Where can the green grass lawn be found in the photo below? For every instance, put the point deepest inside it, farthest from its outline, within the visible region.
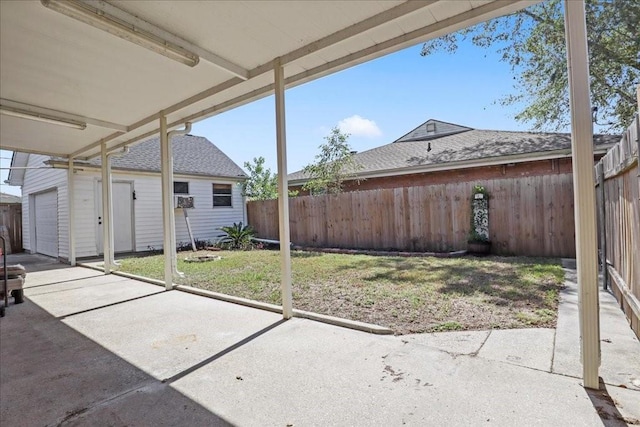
(406, 294)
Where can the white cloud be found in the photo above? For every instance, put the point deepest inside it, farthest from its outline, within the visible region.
(359, 126)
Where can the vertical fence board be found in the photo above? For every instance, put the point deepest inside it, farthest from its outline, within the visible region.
(620, 201)
(11, 217)
(527, 216)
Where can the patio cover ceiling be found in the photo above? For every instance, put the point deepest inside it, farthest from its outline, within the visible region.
(57, 66)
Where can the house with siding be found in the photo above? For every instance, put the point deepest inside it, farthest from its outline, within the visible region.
(438, 152)
(201, 171)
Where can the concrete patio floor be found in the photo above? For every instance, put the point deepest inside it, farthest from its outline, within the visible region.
(89, 349)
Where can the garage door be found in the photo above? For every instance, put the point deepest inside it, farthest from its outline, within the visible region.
(46, 223)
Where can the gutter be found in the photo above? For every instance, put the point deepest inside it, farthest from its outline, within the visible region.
(61, 164)
(11, 178)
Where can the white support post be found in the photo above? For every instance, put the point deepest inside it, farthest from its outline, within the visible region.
(166, 167)
(584, 190)
(283, 193)
(72, 214)
(107, 229)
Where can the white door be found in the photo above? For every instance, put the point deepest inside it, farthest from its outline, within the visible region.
(46, 223)
(123, 236)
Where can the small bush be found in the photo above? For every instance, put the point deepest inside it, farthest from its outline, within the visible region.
(186, 246)
(237, 236)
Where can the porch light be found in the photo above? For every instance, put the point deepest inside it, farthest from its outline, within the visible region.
(77, 9)
(38, 117)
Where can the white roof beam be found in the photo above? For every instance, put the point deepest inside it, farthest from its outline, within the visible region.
(61, 114)
(19, 149)
(446, 26)
(408, 39)
(149, 119)
(368, 24)
(470, 17)
(204, 54)
(96, 144)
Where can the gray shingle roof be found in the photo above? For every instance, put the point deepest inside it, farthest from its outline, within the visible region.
(432, 129)
(192, 155)
(462, 145)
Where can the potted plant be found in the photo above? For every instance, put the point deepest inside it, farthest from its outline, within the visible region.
(478, 242)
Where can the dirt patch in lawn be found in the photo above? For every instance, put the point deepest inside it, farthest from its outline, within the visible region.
(408, 295)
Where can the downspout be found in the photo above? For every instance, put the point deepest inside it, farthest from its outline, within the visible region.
(105, 219)
(112, 250)
(71, 214)
(172, 222)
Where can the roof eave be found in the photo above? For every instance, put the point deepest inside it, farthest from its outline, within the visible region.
(16, 176)
(517, 158)
(58, 164)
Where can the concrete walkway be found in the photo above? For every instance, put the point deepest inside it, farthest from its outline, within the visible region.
(89, 349)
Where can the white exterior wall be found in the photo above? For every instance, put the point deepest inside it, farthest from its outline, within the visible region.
(38, 181)
(86, 217)
(204, 218)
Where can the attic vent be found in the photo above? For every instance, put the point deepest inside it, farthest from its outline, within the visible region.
(353, 152)
(431, 128)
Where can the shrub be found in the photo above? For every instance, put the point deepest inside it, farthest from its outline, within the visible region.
(186, 246)
(238, 236)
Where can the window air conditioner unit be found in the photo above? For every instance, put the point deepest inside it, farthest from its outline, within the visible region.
(183, 202)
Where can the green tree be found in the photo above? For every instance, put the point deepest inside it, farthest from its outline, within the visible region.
(333, 166)
(532, 41)
(261, 184)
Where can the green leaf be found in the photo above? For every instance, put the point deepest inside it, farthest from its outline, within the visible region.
(532, 41)
(333, 166)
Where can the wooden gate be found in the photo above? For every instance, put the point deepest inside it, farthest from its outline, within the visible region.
(11, 218)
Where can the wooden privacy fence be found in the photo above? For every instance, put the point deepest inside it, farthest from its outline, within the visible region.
(618, 197)
(11, 221)
(527, 216)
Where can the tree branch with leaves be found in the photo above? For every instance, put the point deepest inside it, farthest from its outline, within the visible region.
(261, 184)
(333, 166)
(532, 41)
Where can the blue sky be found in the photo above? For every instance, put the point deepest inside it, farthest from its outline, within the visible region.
(397, 92)
(377, 102)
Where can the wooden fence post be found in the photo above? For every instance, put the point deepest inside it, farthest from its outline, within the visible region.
(638, 137)
(603, 225)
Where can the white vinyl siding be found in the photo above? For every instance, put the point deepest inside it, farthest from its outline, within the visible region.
(45, 217)
(38, 181)
(206, 220)
(86, 218)
(203, 218)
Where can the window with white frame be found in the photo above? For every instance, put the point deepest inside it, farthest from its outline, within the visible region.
(222, 195)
